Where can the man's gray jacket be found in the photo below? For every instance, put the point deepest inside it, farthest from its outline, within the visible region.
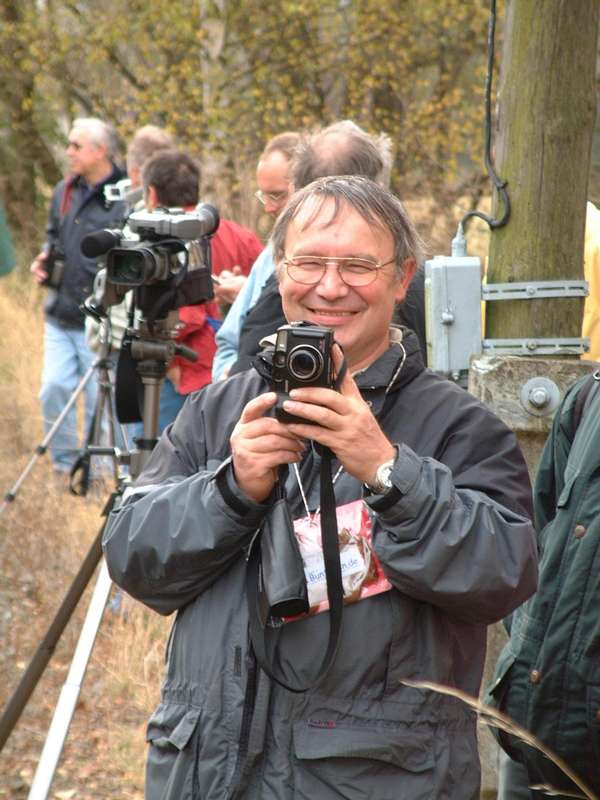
(456, 543)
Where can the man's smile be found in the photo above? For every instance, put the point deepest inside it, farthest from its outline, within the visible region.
(332, 312)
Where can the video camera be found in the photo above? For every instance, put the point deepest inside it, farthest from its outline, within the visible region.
(164, 255)
(163, 258)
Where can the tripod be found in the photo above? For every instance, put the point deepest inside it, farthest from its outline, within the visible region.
(152, 357)
(80, 473)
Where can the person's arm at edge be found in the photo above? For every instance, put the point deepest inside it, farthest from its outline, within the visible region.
(228, 335)
(38, 265)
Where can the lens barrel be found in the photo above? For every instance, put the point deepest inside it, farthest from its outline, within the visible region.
(305, 363)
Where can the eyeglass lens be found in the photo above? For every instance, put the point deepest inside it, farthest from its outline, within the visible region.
(357, 272)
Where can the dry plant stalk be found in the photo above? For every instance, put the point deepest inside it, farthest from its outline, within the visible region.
(496, 719)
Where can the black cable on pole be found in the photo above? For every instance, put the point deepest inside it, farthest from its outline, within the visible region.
(498, 182)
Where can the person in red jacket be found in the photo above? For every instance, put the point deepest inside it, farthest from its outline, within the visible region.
(171, 178)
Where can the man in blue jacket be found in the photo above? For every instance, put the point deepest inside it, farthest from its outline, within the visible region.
(78, 207)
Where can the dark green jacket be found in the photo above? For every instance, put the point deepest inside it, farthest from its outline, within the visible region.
(548, 675)
(7, 251)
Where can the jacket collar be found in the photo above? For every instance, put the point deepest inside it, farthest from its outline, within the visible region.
(385, 372)
(77, 181)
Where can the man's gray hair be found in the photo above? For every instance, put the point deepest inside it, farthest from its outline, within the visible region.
(145, 143)
(100, 133)
(342, 148)
(376, 205)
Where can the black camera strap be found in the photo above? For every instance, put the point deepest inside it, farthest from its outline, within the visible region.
(333, 574)
(335, 590)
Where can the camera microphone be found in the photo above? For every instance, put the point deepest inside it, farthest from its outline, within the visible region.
(100, 242)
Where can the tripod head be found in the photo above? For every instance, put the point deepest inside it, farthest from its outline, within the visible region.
(145, 352)
(149, 348)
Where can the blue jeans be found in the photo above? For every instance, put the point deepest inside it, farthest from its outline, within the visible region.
(66, 359)
(171, 403)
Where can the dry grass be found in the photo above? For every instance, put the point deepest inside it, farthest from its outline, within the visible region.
(44, 536)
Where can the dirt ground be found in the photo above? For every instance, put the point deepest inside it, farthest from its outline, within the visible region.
(44, 535)
(103, 754)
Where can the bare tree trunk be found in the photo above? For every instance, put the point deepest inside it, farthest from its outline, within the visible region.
(547, 106)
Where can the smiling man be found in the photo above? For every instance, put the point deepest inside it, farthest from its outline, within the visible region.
(436, 499)
(340, 271)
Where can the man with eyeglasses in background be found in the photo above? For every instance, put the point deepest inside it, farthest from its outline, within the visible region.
(342, 148)
(274, 190)
(434, 495)
(78, 206)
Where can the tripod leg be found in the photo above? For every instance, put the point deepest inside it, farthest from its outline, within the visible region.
(102, 423)
(43, 654)
(63, 713)
(109, 415)
(43, 446)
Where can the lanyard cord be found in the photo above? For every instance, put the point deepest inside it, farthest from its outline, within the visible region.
(310, 516)
(391, 382)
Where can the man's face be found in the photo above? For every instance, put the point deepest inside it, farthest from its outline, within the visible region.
(273, 181)
(359, 316)
(83, 154)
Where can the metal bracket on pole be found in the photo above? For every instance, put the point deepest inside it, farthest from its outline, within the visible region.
(537, 347)
(533, 290)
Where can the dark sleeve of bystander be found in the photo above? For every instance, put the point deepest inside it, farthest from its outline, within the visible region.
(411, 311)
(263, 319)
(7, 251)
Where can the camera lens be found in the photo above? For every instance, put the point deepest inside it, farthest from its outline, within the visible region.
(125, 266)
(305, 363)
(129, 268)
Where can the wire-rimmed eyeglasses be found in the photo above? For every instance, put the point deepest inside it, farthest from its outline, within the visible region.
(274, 197)
(353, 271)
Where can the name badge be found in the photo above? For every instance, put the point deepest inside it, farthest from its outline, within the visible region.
(362, 573)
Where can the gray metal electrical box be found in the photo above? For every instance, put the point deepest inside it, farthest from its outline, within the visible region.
(453, 314)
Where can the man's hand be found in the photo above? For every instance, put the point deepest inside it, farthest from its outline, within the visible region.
(230, 285)
(343, 422)
(38, 267)
(259, 445)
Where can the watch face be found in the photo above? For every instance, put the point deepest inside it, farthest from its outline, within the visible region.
(386, 477)
(383, 477)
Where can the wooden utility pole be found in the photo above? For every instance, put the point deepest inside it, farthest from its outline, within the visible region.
(546, 116)
(547, 104)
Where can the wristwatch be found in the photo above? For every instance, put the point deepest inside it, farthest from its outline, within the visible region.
(383, 478)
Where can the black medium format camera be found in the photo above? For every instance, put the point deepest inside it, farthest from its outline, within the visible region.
(302, 357)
